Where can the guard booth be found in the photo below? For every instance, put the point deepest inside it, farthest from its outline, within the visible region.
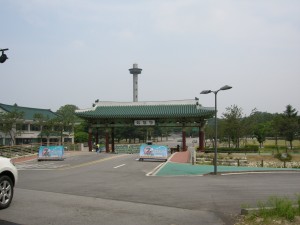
(179, 113)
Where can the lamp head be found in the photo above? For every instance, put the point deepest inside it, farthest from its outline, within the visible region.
(205, 92)
(3, 57)
(226, 87)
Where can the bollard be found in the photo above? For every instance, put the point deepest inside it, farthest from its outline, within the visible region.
(238, 162)
(262, 163)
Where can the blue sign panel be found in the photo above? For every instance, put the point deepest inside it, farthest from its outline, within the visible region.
(153, 152)
(51, 152)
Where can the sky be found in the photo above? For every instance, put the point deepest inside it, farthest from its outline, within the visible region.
(76, 51)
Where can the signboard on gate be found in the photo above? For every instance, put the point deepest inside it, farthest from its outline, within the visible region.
(153, 152)
(51, 152)
(144, 122)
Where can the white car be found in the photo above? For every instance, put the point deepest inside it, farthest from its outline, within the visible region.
(8, 180)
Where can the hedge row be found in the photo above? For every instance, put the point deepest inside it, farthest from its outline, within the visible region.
(246, 149)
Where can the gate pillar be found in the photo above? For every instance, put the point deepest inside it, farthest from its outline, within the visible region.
(184, 148)
(107, 140)
(90, 142)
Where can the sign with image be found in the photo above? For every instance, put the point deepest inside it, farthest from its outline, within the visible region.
(51, 152)
(153, 152)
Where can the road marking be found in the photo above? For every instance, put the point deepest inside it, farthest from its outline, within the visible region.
(119, 166)
(154, 171)
(93, 162)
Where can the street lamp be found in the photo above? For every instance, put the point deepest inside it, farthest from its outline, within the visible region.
(3, 57)
(226, 87)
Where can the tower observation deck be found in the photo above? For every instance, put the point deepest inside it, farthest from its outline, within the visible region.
(135, 71)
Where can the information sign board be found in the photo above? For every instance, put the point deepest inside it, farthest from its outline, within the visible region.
(51, 152)
(153, 152)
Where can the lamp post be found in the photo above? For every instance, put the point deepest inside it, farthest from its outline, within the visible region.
(226, 87)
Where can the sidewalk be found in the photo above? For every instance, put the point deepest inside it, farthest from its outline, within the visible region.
(178, 165)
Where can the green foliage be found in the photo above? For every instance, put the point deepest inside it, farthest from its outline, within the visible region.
(8, 120)
(81, 137)
(81, 126)
(280, 207)
(260, 131)
(233, 122)
(45, 123)
(289, 125)
(246, 149)
(234, 126)
(298, 201)
(66, 117)
(275, 147)
(275, 209)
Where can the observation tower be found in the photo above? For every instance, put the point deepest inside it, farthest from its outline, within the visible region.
(135, 71)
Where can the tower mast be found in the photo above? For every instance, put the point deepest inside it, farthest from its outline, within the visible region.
(135, 71)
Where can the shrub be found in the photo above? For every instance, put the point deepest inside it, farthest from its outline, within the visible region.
(283, 207)
(81, 137)
(277, 207)
(246, 149)
(284, 157)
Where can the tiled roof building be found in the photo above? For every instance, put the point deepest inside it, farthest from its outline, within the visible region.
(178, 113)
(28, 130)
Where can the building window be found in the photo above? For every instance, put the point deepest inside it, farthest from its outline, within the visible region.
(53, 141)
(35, 127)
(7, 141)
(20, 141)
(68, 140)
(23, 127)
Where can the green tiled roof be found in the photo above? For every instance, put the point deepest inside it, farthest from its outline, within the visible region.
(143, 110)
(28, 112)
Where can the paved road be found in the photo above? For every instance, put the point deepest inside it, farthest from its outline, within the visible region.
(113, 189)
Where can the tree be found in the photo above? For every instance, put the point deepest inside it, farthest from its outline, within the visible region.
(39, 120)
(258, 125)
(233, 126)
(260, 132)
(210, 131)
(81, 137)
(289, 124)
(66, 119)
(8, 123)
(275, 127)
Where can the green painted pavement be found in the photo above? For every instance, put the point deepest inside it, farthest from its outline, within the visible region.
(180, 169)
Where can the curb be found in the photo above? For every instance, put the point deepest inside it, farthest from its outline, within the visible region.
(247, 211)
(23, 158)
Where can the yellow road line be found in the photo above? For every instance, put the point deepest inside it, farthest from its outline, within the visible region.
(91, 163)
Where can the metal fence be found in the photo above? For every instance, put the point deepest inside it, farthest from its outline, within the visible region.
(127, 149)
(23, 150)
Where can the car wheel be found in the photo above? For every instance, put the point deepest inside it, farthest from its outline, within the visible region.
(6, 191)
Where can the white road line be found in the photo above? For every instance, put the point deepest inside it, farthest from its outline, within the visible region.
(119, 166)
(154, 171)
